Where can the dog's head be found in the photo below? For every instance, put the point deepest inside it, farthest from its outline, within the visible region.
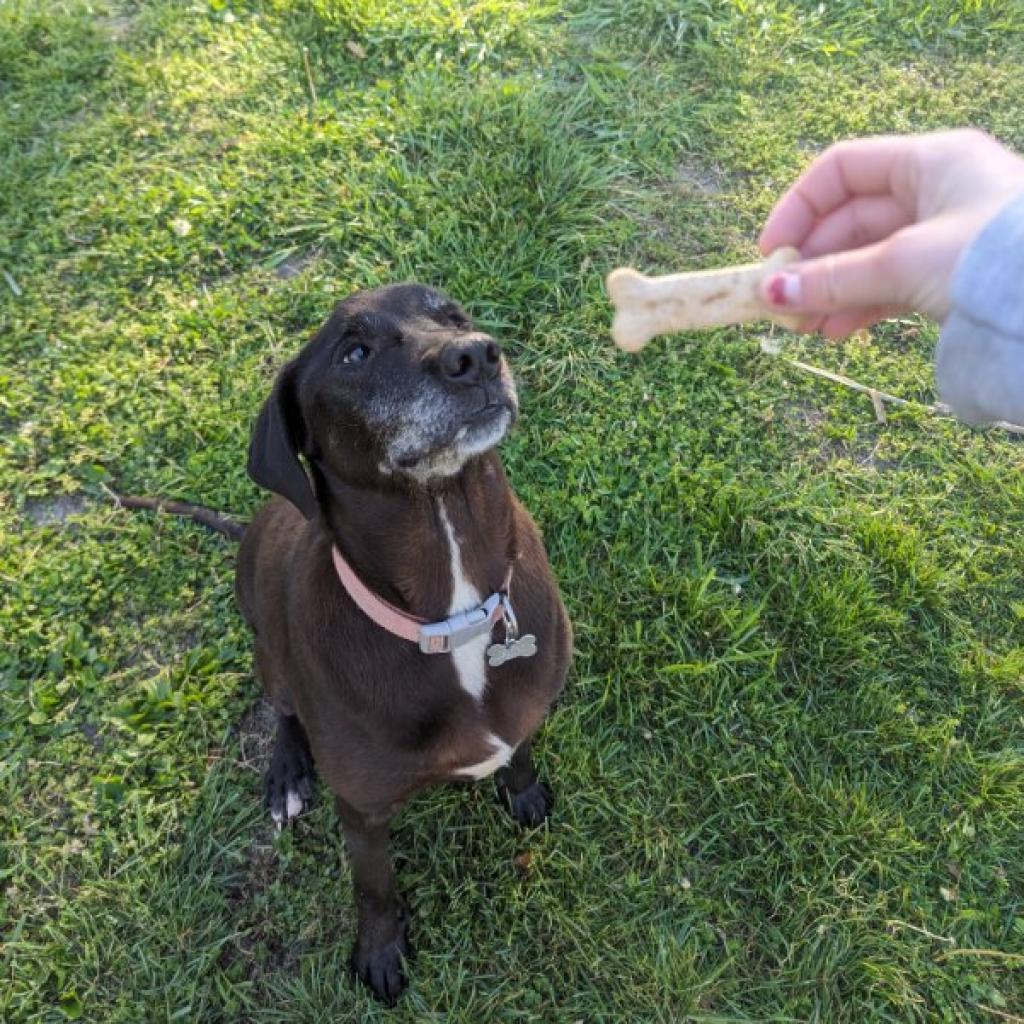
(397, 382)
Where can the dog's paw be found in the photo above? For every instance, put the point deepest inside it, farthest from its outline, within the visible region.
(530, 806)
(382, 967)
(287, 789)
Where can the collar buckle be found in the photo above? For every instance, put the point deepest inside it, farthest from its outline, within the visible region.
(448, 634)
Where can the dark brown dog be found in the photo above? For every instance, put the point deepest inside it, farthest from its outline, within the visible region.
(395, 405)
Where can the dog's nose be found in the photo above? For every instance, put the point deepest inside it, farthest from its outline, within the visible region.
(470, 362)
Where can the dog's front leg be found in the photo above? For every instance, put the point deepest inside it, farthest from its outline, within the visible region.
(381, 944)
(528, 800)
(289, 781)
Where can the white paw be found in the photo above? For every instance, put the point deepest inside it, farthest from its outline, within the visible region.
(284, 811)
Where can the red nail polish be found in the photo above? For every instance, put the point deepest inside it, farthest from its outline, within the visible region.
(783, 289)
(776, 289)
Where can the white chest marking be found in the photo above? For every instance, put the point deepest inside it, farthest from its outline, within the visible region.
(500, 758)
(469, 659)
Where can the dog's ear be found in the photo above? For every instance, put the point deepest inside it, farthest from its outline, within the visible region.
(277, 439)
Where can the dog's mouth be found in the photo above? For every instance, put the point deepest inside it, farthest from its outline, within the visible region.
(483, 428)
(488, 411)
(485, 412)
(445, 453)
(480, 431)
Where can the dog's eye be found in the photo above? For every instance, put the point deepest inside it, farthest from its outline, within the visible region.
(357, 353)
(456, 316)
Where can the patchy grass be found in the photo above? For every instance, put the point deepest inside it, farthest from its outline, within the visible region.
(790, 762)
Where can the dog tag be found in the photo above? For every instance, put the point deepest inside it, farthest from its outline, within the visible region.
(522, 647)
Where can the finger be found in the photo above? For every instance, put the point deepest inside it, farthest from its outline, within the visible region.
(809, 324)
(859, 167)
(855, 280)
(859, 222)
(842, 325)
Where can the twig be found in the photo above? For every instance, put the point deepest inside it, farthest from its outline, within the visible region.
(1010, 428)
(309, 79)
(205, 516)
(893, 923)
(11, 283)
(873, 393)
(1011, 958)
(876, 401)
(1012, 1017)
(879, 397)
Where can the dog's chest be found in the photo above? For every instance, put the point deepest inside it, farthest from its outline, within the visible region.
(503, 707)
(470, 658)
(469, 661)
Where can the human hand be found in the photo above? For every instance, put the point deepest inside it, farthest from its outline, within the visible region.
(880, 224)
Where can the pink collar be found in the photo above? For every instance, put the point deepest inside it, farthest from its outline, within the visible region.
(432, 637)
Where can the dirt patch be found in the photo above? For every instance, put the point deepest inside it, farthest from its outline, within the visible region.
(93, 735)
(695, 177)
(863, 453)
(54, 511)
(294, 265)
(804, 417)
(256, 733)
(261, 870)
(117, 28)
(257, 945)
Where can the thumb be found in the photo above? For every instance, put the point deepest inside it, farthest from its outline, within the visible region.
(837, 283)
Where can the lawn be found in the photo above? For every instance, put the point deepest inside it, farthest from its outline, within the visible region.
(789, 763)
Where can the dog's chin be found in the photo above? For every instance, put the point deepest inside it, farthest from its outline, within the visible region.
(474, 437)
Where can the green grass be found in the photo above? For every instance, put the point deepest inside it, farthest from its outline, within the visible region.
(790, 760)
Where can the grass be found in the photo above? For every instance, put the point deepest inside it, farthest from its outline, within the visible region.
(790, 761)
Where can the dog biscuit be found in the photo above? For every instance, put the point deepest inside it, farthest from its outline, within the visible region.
(648, 306)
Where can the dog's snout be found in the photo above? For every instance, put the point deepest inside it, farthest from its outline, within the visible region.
(470, 362)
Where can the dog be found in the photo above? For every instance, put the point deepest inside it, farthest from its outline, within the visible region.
(408, 628)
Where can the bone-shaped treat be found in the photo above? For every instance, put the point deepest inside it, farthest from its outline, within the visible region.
(646, 306)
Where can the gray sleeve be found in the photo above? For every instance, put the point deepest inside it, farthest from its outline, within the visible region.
(979, 362)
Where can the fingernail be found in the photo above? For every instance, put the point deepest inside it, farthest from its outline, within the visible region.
(783, 289)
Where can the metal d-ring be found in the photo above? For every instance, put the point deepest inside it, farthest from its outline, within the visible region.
(511, 622)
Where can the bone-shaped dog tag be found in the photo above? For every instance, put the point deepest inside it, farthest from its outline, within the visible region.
(523, 647)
